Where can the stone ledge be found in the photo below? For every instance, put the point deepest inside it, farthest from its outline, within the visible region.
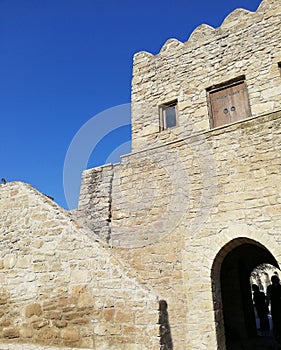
(211, 132)
(8, 346)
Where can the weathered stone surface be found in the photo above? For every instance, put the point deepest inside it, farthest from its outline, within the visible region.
(33, 309)
(61, 282)
(10, 332)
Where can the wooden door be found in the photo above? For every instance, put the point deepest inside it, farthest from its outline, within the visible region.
(229, 104)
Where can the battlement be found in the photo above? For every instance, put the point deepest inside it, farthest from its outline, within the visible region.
(245, 47)
(236, 20)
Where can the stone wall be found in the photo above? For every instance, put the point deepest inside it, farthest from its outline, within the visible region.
(59, 287)
(175, 207)
(228, 188)
(94, 210)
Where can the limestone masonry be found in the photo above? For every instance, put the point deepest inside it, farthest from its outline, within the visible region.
(159, 253)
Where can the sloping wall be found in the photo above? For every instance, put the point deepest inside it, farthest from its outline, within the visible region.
(60, 287)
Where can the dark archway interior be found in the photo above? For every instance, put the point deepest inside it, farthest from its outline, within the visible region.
(238, 312)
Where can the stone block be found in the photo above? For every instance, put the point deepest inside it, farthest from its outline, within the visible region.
(33, 309)
(10, 332)
(70, 334)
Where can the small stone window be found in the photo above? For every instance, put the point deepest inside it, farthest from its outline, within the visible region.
(228, 102)
(168, 115)
(279, 66)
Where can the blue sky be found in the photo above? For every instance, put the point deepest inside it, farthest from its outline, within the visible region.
(65, 61)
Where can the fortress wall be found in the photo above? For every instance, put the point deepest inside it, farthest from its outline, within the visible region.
(186, 192)
(219, 171)
(246, 44)
(60, 288)
(169, 226)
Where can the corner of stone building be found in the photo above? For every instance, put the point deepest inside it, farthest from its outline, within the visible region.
(94, 205)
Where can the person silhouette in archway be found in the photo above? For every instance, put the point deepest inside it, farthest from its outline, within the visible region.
(261, 307)
(273, 294)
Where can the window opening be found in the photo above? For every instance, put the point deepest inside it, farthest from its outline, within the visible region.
(168, 115)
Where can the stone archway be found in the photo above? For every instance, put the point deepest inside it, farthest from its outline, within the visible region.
(234, 314)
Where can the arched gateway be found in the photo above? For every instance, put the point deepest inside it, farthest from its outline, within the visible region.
(234, 313)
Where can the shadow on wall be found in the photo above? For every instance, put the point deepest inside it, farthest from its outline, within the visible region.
(166, 342)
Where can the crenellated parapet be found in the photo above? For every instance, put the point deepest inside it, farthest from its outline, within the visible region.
(234, 21)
